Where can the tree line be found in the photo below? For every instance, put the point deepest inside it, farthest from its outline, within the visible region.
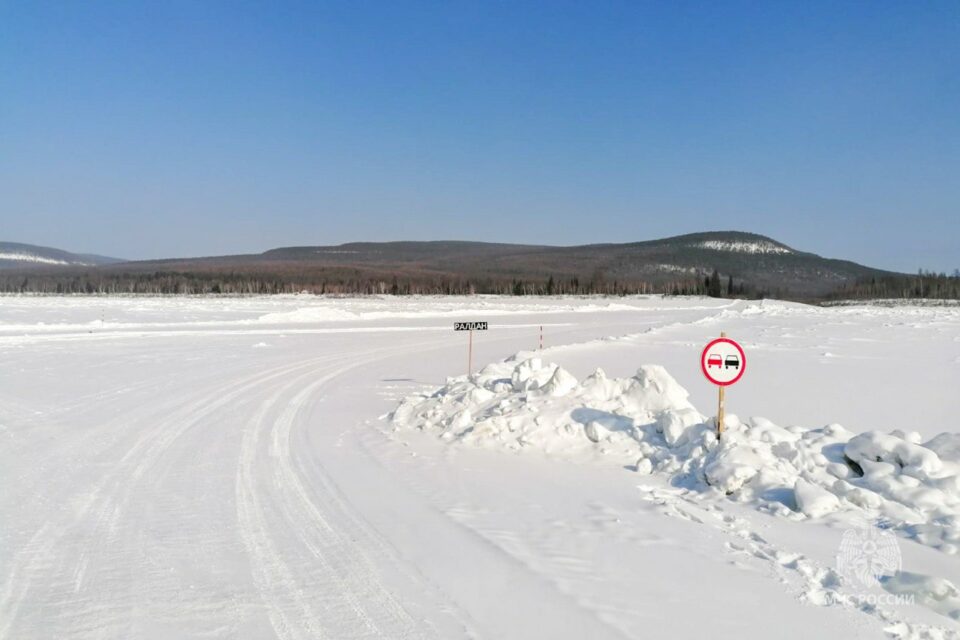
(925, 285)
(106, 282)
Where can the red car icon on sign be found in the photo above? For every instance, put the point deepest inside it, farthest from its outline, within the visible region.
(714, 360)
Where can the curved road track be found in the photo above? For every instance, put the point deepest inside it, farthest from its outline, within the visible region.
(174, 536)
(166, 485)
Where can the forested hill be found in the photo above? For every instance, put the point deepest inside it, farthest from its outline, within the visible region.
(717, 263)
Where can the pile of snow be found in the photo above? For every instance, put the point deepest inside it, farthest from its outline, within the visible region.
(760, 246)
(648, 422)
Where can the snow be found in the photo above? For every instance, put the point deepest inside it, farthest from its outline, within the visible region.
(525, 402)
(761, 246)
(30, 257)
(813, 500)
(672, 268)
(938, 594)
(226, 468)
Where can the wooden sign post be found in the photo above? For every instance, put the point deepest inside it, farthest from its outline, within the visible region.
(470, 326)
(723, 363)
(720, 398)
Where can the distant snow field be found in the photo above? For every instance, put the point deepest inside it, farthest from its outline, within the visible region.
(32, 258)
(318, 467)
(743, 246)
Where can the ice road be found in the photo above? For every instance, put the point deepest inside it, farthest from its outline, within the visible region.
(227, 468)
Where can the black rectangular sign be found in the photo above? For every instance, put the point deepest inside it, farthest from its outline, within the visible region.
(469, 326)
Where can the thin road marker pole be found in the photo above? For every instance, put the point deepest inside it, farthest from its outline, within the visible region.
(541, 337)
(470, 355)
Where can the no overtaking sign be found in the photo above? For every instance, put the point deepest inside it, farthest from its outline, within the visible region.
(723, 362)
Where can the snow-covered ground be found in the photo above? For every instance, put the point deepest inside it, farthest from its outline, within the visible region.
(301, 467)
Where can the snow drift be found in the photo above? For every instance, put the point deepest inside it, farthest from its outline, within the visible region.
(647, 421)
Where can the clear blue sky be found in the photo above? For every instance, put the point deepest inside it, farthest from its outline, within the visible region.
(195, 128)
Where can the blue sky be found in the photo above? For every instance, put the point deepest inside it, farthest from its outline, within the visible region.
(196, 128)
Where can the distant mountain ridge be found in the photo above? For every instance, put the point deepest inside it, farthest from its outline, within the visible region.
(758, 264)
(762, 261)
(16, 254)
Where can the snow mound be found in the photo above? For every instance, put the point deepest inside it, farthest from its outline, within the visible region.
(646, 422)
(525, 402)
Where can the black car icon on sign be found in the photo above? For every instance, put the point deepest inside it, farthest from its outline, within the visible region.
(731, 361)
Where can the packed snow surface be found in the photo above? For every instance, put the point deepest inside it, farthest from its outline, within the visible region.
(192, 467)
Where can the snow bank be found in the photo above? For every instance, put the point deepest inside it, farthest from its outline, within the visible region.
(647, 422)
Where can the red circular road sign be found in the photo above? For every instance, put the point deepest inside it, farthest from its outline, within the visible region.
(723, 362)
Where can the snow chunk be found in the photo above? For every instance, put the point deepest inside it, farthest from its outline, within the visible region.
(732, 468)
(814, 501)
(560, 383)
(531, 374)
(652, 389)
(874, 446)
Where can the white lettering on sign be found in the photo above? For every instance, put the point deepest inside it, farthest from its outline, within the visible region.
(470, 326)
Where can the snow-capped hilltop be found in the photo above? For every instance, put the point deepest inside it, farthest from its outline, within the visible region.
(7, 256)
(759, 246)
(16, 254)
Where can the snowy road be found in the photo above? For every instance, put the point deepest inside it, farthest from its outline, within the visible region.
(199, 468)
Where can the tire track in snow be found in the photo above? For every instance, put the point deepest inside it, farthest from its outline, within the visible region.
(43, 554)
(349, 600)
